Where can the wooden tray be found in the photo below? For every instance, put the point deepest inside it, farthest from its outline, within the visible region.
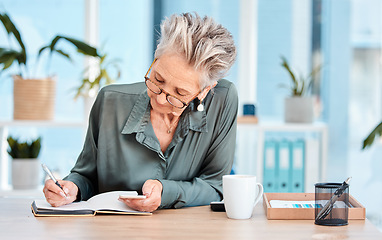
(356, 212)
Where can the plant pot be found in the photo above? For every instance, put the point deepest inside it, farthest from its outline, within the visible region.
(299, 110)
(26, 173)
(33, 99)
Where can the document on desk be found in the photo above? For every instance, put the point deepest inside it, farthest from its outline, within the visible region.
(303, 204)
(106, 203)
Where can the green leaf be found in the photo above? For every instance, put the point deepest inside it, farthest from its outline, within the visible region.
(103, 77)
(301, 85)
(19, 56)
(19, 149)
(97, 80)
(35, 148)
(41, 50)
(62, 53)
(370, 139)
(12, 149)
(5, 54)
(11, 29)
(102, 58)
(8, 63)
(82, 47)
(8, 56)
(109, 80)
(285, 64)
(81, 88)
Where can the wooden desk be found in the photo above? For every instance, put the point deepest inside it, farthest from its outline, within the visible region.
(17, 222)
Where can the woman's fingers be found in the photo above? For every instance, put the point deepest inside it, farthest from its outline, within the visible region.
(56, 196)
(152, 189)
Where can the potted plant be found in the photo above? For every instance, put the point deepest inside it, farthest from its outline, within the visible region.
(299, 106)
(90, 85)
(25, 163)
(102, 77)
(34, 98)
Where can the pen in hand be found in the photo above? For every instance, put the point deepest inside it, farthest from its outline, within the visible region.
(46, 169)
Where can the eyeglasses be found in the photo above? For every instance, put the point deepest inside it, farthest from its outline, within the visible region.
(174, 101)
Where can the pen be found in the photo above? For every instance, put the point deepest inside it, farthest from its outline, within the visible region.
(46, 169)
(329, 205)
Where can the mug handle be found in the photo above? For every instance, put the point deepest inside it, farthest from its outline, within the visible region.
(261, 190)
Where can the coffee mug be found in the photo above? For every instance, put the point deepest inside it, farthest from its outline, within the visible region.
(241, 193)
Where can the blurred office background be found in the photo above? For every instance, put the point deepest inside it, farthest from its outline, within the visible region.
(345, 36)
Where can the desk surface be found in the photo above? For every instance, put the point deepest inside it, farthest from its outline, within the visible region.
(18, 222)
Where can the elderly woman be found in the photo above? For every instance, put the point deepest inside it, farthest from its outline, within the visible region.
(171, 138)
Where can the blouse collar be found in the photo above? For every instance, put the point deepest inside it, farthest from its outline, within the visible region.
(140, 115)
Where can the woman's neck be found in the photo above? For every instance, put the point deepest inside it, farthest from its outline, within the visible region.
(170, 121)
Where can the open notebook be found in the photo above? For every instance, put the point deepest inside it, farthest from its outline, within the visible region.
(101, 203)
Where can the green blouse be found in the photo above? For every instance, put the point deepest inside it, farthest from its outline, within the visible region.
(121, 150)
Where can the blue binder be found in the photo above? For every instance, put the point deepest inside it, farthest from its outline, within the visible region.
(298, 166)
(284, 169)
(270, 163)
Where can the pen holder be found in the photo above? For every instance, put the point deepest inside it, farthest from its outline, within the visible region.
(338, 213)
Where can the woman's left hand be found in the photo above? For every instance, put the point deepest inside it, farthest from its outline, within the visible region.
(152, 189)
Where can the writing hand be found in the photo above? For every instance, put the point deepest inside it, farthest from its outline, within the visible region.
(56, 196)
(152, 189)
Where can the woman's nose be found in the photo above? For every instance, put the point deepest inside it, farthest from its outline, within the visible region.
(162, 98)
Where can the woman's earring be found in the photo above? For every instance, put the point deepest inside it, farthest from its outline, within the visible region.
(200, 107)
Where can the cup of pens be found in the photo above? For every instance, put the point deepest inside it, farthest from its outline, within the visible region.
(332, 202)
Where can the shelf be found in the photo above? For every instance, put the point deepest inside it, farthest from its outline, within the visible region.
(279, 125)
(247, 120)
(252, 135)
(293, 127)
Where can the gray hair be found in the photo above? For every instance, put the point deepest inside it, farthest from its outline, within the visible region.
(206, 45)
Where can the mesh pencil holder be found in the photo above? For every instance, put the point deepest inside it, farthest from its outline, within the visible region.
(337, 213)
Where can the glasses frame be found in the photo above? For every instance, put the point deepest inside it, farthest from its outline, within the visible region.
(165, 92)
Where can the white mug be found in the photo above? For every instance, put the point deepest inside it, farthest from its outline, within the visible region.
(241, 193)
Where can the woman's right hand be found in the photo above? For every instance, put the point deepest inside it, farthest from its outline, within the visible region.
(56, 196)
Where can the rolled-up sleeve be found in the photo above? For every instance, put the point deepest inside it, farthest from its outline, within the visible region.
(84, 173)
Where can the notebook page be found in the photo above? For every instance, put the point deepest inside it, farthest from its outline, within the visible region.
(43, 204)
(109, 201)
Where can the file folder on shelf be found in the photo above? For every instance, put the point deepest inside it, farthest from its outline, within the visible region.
(284, 169)
(270, 163)
(312, 164)
(297, 176)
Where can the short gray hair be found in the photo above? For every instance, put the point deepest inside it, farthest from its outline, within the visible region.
(206, 45)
